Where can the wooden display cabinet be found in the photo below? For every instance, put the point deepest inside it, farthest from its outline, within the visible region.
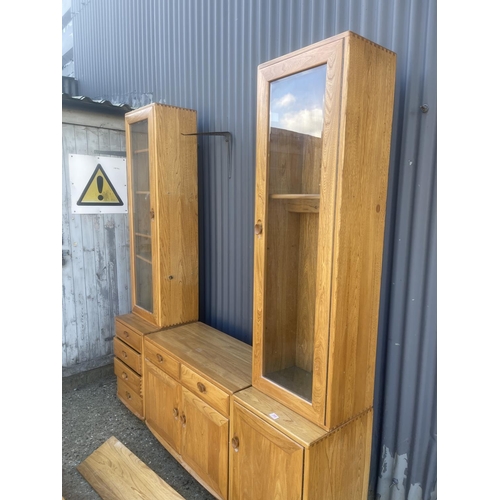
(163, 207)
(163, 220)
(324, 119)
(190, 372)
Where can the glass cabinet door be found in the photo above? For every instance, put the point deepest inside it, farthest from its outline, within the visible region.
(141, 216)
(295, 140)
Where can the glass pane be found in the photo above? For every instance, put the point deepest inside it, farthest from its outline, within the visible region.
(295, 148)
(141, 215)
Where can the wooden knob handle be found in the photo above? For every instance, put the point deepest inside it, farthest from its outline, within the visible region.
(129, 396)
(183, 419)
(124, 376)
(124, 354)
(258, 228)
(175, 413)
(160, 358)
(126, 333)
(152, 213)
(201, 387)
(235, 443)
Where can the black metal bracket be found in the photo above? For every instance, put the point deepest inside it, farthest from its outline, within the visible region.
(229, 141)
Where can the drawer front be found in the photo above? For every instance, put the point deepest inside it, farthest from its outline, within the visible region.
(162, 360)
(128, 355)
(130, 398)
(129, 336)
(127, 375)
(205, 390)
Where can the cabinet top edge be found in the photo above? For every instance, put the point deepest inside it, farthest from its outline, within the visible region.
(225, 360)
(157, 105)
(136, 323)
(346, 35)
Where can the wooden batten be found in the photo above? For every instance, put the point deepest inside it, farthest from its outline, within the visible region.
(117, 474)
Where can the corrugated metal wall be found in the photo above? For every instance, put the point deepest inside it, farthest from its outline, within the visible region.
(204, 55)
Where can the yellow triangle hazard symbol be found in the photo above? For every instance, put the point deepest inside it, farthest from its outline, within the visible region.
(99, 190)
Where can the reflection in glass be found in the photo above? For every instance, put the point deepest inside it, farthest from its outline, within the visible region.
(141, 215)
(295, 149)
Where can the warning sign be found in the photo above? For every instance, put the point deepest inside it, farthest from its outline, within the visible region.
(98, 184)
(99, 190)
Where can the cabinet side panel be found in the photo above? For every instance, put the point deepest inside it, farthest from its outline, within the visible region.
(177, 173)
(366, 122)
(338, 466)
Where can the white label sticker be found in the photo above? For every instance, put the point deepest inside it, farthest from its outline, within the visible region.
(273, 416)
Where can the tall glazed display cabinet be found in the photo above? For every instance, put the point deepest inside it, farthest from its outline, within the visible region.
(163, 208)
(324, 118)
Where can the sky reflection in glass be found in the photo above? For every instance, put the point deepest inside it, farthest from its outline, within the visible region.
(297, 102)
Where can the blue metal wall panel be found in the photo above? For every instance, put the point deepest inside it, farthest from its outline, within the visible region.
(204, 55)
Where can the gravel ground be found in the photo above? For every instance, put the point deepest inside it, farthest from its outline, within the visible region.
(91, 414)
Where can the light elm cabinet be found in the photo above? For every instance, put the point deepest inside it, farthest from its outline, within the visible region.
(163, 205)
(324, 118)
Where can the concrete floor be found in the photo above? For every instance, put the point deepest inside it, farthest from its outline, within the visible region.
(91, 413)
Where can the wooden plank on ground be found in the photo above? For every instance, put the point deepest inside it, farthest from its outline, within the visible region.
(117, 474)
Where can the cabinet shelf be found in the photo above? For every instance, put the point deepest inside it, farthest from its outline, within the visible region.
(143, 235)
(299, 203)
(144, 259)
(145, 150)
(142, 192)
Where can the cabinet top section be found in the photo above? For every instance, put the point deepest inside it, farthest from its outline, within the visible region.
(224, 359)
(346, 35)
(157, 105)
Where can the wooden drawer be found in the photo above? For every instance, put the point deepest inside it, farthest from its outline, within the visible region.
(131, 399)
(129, 336)
(127, 375)
(162, 360)
(128, 355)
(206, 390)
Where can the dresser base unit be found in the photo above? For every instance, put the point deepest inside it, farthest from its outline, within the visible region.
(190, 373)
(276, 453)
(128, 343)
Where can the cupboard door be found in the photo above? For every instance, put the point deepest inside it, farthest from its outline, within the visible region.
(162, 398)
(265, 463)
(205, 435)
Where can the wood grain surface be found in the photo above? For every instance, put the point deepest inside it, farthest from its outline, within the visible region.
(117, 474)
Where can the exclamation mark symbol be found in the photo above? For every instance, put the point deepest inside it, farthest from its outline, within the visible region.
(100, 183)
